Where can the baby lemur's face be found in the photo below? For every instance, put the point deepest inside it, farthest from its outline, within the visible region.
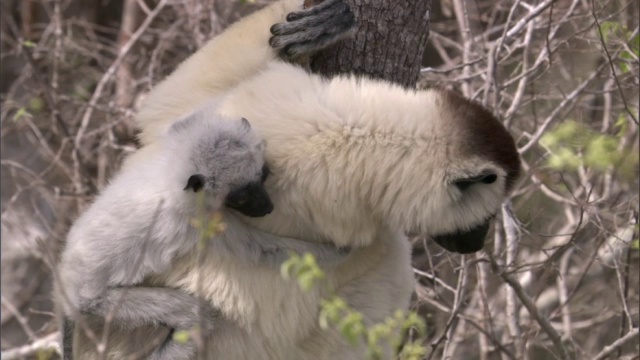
(251, 199)
(229, 163)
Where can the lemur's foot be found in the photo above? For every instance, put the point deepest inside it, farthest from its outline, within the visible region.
(312, 29)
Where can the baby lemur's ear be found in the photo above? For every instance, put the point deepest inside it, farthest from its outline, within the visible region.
(246, 126)
(195, 183)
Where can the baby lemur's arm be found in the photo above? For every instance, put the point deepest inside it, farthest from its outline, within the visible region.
(246, 243)
(136, 306)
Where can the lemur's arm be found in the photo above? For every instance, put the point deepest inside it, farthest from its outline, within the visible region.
(240, 52)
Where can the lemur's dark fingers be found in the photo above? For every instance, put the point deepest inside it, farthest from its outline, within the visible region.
(297, 49)
(316, 40)
(313, 10)
(317, 33)
(319, 19)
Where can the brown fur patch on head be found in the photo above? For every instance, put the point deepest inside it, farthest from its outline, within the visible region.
(482, 134)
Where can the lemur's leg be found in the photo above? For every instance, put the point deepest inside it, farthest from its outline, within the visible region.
(131, 307)
(312, 29)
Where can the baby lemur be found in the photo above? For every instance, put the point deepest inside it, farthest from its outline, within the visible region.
(142, 221)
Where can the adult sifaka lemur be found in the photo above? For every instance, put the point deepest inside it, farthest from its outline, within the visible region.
(355, 162)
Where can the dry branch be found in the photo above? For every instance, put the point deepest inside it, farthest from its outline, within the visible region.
(45, 344)
(608, 350)
(531, 308)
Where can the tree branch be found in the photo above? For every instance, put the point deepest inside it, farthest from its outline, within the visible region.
(47, 343)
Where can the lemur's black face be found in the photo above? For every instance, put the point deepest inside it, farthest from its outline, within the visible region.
(250, 200)
(464, 242)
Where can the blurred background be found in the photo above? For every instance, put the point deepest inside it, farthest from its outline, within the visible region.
(560, 270)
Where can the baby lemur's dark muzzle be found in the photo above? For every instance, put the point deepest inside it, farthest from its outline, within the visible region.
(251, 200)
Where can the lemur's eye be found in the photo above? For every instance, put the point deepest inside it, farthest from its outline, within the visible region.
(265, 173)
(195, 183)
(484, 178)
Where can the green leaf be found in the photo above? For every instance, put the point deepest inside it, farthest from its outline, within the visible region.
(622, 125)
(288, 265)
(413, 320)
(352, 327)
(36, 104)
(413, 351)
(601, 152)
(607, 28)
(22, 112)
(331, 311)
(181, 336)
(624, 68)
(635, 45)
(306, 280)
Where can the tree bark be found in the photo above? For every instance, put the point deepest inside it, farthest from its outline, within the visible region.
(388, 44)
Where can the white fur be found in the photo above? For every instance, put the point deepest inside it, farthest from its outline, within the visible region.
(354, 161)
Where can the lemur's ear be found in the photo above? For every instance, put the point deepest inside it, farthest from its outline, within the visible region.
(195, 183)
(246, 126)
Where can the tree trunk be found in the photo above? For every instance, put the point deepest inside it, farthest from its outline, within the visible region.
(388, 44)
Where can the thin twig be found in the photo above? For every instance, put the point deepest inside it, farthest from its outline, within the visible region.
(24, 323)
(571, 98)
(111, 71)
(462, 17)
(608, 350)
(610, 62)
(511, 251)
(47, 343)
(531, 308)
